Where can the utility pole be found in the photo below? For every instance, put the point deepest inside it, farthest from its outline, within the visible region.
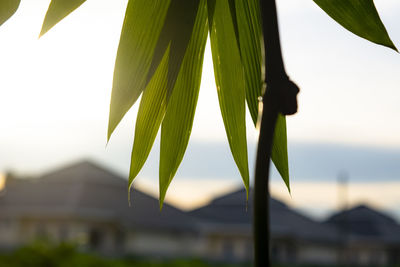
(343, 184)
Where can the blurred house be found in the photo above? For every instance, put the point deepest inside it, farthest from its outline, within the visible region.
(226, 227)
(370, 237)
(86, 204)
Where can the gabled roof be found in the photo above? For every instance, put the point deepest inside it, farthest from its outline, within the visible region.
(365, 223)
(87, 191)
(285, 222)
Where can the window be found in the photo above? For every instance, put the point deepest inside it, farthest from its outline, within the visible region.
(95, 238)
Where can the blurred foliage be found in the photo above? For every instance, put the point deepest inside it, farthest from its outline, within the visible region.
(43, 254)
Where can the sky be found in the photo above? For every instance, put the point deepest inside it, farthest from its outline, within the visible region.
(55, 93)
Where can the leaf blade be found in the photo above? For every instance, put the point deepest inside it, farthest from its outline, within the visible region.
(178, 121)
(7, 9)
(249, 36)
(140, 32)
(359, 17)
(181, 14)
(279, 152)
(150, 114)
(229, 78)
(58, 9)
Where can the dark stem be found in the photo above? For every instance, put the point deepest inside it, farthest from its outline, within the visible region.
(272, 47)
(279, 97)
(261, 186)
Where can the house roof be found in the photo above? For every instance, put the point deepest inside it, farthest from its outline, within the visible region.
(285, 222)
(87, 191)
(365, 223)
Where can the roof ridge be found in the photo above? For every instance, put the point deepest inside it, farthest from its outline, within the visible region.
(363, 206)
(79, 163)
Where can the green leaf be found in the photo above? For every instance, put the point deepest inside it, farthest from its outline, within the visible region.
(181, 47)
(232, 7)
(181, 15)
(230, 82)
(151, 112)
(178, 121)
(249, 36)
(279, 154)
(360, 17)
(7, 9)
(58, 9)
(141, 29)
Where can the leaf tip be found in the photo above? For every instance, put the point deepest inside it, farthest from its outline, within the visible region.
(161, 203)
(109, 131)
(163, 192)
(112, 124)
(132, 176)
(390, 44)
(129, 194)
(288, 187)
(108, 138)
(42, 31)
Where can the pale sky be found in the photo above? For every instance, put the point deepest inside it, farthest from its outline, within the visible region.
(55, 92)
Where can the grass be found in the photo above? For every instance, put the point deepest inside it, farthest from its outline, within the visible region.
(66, 255)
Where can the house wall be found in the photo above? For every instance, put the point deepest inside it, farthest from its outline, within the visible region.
(216, 245)
(102, 237)
(88, 235)
(284, 250)
(160, 243)
(8, 233)
(233, 247)
(317, 254)
(365, 254)
(227, 247)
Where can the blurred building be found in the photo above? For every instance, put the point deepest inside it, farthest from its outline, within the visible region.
(370, 237)
(226, 225)
(88, 205)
